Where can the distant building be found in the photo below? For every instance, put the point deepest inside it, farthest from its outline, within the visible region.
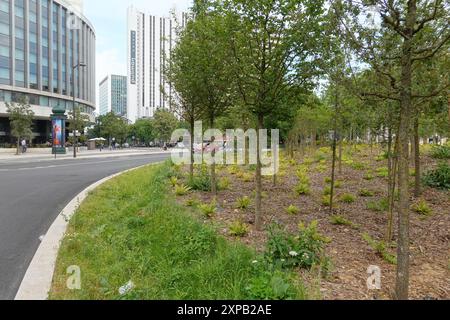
(113, 95)
(150, 41)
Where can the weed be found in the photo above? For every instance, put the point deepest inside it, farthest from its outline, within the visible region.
(366, 193)
(380, 248)
(208, 209)
(182, 190)
(339, 220)
(422, 208)
(243, 203)
(292, 210)
(347, 198)
(239, 229)
(302, 189)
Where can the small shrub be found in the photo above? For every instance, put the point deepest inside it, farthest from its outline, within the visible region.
(234, 169)
(327, 180)
(358, 166)
(378, 206)
(438, 178)
(239, 229)
(380, 248)
(304, 250)
(173, 181)
(382, 172)
(347, 198)
(208, 209)
(441, 152)
(302, 189)
(422, 208)
(369, 177)
(247, 177)
(327, 191)
(326, 201)
(192, 202)
(322, 168)
(292, 210)
(201, 181)
(182, 190)
(366, 193)
(224, 184)
(339, 220)
(243, 203)
(338, 184)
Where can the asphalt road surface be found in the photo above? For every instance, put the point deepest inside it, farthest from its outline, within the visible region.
(32, 194)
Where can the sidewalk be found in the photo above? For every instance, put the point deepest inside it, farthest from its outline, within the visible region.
(45, 155)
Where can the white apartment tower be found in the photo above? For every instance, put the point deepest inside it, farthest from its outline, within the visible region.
(150, 41)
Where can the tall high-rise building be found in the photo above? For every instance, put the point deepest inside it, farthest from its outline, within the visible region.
(150, 41)
(40, 43)
(113, 95)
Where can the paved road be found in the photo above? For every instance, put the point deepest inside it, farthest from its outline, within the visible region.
(32, 194)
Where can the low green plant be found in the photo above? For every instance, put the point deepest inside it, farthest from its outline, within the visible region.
(438, 178)
(224, 184)
(243, 203)
(366, 193)
(380, 248)
(382, 172)
(304, 250)
(327, 180)
(441, 152)
(327, 191)
(347, 198)
(326, 201)
(201, 181)
(233, 169)
(378, 206)
(369, 176)
(358, 166)
(173, 181)
(422, 208)
(302, 189)
(193, 202)
(339, 220)
(271, 285)
(182, 190)
(247, 177)
(208, 209)
(239, 229)
(293, 210)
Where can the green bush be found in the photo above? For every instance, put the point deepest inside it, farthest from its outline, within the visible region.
(439, 178)
(380, 248)
(292, 210)
(181, 190)
(243, 203)
(422, 208)
(378, 206)
(304, 250)
(339, 220)
(347, 198)
(208, 209)
(302, 189)
(201, 181)
(441, 152)
(366, 193)
(239, 229)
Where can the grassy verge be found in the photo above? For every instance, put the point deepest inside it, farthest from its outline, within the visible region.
(131, 229)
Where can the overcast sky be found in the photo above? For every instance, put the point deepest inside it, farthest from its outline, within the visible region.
(109, 18)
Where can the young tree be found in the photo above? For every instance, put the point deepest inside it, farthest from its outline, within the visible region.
(78, 121)
(164, 123)
(409, 31)
(21, 120)
(274, 47)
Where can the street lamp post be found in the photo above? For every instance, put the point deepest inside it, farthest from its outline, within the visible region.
(75, 138)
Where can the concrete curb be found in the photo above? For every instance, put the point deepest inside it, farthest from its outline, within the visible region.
(38, 279)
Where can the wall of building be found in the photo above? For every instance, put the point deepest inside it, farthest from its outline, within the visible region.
(150, 41)
(40, 42)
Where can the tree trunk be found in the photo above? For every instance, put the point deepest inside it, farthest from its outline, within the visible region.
(402, 278)
(258, 215)
(418, 182)
(392, 165)
(340, 154)
(18, 146)
(191, 149)
(213, 164)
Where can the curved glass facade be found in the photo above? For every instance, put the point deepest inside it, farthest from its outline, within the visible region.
(40, 42)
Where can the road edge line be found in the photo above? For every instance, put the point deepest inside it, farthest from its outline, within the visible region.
(36, 283)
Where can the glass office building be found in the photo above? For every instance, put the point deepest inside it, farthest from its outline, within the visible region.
(40, 42)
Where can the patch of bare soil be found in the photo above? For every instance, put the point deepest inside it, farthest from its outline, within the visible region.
(351, 255)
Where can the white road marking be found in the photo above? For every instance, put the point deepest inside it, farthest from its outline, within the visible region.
(65, 165)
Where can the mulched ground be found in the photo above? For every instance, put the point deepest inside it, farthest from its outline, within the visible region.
(350, 253)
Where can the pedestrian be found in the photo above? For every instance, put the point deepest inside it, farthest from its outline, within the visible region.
(24, 146)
